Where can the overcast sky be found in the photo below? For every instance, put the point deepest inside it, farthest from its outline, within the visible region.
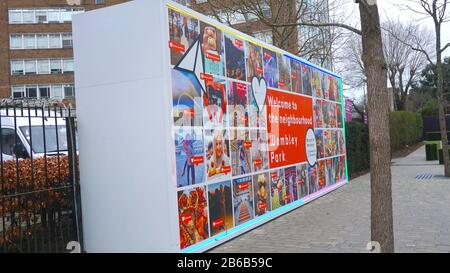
(392, 9)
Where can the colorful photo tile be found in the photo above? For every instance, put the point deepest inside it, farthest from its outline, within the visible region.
(342, 172)
(338, 116)
(187, 99)
(284, 68)
(312, 179)
(290, 182)
(257, 117)
(330, 142)
(325, 86)
(336, 170)
(190, 156)
(316, 83)
(325, 113)
(277, 189)
(261, 183)
(243, 200)
(302, 180)
(238, 104)
(332, 123)
(296, 76)
(183, 32)
(337, 89)
(331, 86)
(260, 158)
(193, 216)
(321, 175)
(270, 65)
(253, 59)
(320, 143)
(235, 58)
(306, 80)
(318, 114)
(213, 49)
(330, 171)
(218, 163)
(220, 207)
(341, 142)
(240, 146)
(215, 104)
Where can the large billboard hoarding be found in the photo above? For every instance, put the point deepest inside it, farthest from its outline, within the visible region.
(257, 131)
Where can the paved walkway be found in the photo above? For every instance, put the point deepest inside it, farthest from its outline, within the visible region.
(340, 221)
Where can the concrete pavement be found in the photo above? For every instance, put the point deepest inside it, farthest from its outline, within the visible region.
(340, 221)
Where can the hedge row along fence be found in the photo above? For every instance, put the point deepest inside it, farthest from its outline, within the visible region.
(357, 137)
(405, 129)
(35, 195)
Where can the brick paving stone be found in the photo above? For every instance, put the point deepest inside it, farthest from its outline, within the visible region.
(340, 221)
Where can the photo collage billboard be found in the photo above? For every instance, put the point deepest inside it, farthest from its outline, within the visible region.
(254, 128)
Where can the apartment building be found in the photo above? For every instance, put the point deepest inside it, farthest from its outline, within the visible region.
(36, 56)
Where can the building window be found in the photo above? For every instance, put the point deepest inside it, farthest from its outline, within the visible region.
(43, 66)
(30, 67)
(42, 16)
(54, 91)
(17, 68)
(55, 40)
(68, 66)
(69, 91)
(31, 92)
(16, 41)
(55, 67)
(53, 16)
(29, 41)
(15, 16)
(67, 41)
(100, 2)
(57, 92)
(42, 41)
(44, 92)
(28, 16)
(18, 92)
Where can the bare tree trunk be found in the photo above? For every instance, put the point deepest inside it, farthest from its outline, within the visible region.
(378, 106)
(441, 101)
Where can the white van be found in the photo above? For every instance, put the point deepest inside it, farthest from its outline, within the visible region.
(31, 129)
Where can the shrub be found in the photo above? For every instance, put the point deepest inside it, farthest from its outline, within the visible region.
(357, 137)
(435, 136)
(430, 108)
(405, 129)
(32, 190)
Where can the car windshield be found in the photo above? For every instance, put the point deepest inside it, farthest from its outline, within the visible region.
(54, 141)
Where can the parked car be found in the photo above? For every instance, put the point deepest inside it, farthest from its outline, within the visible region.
(29, 134)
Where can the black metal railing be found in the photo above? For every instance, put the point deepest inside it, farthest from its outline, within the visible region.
(39, 181)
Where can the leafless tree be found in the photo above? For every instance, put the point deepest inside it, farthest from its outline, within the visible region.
(439, 12)
(404, 63)
(281, 20)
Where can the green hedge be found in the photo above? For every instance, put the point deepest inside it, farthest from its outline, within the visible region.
(435, 136)
(405, 129)
(357, 136)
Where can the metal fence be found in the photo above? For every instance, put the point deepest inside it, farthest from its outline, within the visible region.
(39, 181)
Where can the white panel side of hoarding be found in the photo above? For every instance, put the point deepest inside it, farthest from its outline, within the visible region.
(124, 125)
